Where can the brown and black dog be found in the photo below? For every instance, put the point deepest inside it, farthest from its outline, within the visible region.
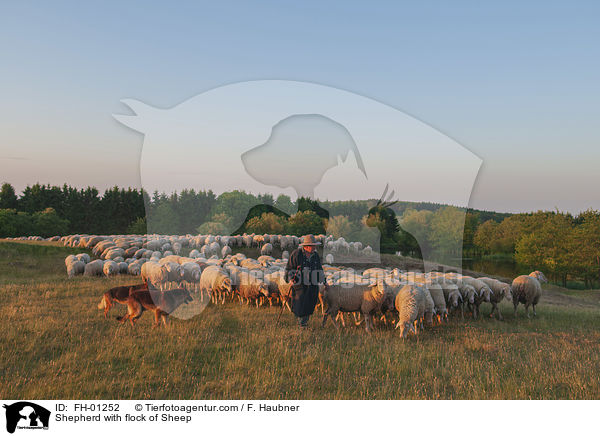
(162, 303)
(120, 294)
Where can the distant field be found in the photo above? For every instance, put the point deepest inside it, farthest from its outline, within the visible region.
(56, 344)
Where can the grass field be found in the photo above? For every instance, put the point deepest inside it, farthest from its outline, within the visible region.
(55, 343)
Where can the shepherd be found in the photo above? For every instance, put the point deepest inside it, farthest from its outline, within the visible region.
(305, 273)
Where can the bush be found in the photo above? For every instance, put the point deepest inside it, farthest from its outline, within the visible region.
(46, 223)
(266, 223)
(138, 227)
(307, 222)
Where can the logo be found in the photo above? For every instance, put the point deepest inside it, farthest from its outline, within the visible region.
(26, 415)
(332, 151)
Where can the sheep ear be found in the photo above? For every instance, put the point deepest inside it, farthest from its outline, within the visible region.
(144, 114)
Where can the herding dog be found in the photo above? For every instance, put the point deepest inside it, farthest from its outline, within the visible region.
(120, 294)
(162, 303)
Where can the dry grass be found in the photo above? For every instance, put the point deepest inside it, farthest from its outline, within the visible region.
(56, 344)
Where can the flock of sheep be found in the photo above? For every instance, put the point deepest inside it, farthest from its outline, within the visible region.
(409, 299)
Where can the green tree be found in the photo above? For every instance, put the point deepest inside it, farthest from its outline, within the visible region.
(163, 220)
(47, 223)
(417, 223)
(267, 223)
(306, 222)
(13, 223)
(339, 226)
(8, 198)
(446, 234)
(212, 228)
(384, 219)
(585, 247)
(471, 224)
(285, 204)
(547, 248)
(235, 204)
(138, 227)
(485, 237)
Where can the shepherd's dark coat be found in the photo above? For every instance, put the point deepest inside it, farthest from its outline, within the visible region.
(306, 273)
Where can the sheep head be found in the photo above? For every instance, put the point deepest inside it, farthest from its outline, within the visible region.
(486, 293)
(507, 292)
(470, 291)
(540, 276)
(454, 298)
(405, 328)
(263, 289)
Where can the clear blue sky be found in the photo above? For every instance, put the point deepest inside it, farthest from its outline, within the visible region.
(514, 82)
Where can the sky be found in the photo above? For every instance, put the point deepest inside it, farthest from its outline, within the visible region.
(515, 83)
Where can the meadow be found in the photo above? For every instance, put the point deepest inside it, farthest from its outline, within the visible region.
(55, 343)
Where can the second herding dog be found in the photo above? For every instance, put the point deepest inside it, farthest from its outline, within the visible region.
(120, 294)
(162, 303)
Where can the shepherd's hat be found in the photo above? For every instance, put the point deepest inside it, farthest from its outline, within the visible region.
(309, 240)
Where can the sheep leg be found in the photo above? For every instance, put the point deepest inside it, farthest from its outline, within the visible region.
(368, 322)
(496, 309)
(357, 320)
(515, 304)
(333, 317)
(534, 313)
(157, 317)
(527, 310)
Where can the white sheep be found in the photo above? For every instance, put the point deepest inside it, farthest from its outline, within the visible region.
(191, 272)
(123, 267)
(154, 275)
(110, 268)
(454, 297)
(439, 300)
(94, 268)
(251, 288)
(226, 251)
(134, 269)
(408, 303)
(84, 257)
(483, 294)
(215, 282)
(353, 297)
(74, 268)
(528, 290)
(500, 290)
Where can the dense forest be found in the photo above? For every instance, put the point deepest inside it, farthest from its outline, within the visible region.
(566, 247)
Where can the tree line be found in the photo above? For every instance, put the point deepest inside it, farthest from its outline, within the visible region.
(564, 246)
